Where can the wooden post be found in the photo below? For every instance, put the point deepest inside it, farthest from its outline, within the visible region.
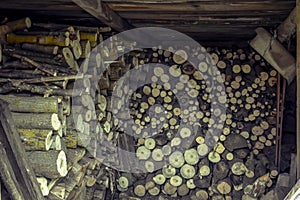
(298, 88)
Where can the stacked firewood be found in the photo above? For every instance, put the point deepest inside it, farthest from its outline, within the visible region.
(39, 64)
(241, 164)
(58, 127)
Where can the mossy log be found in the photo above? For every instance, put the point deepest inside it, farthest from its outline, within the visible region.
(50, 164)
(92, 37)
(20, 24)
(36, 139)
(37, 121)
(60, 40)
(34, 104)
(52, 50)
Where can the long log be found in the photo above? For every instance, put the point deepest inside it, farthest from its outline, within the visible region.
(33, 63)
(38, 39)
(20, 24)
(33, 104)
(46, 91)
(52, 50)
(50, 164)
(36, 139)
(23, 52)
(37, 121)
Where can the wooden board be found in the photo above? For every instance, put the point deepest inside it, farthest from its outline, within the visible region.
(203, 6)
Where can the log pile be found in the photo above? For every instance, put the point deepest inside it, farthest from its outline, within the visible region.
(241, 164)
(38, 70)
(39, 63)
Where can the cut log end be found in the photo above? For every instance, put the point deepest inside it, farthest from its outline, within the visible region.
(55, 122)
(61, 164)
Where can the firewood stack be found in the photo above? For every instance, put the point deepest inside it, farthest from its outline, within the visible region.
(39, 63)
(58, 124)
(241, 164)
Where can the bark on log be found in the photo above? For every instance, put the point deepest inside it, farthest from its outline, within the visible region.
(37, 121)
(36, 139)
(92, 37)
(20, 24)
(38, 39)
(31, 104)
(50, 164)
(51, 50)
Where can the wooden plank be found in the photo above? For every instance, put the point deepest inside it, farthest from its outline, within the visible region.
(102, 12)
(16, 153)
(298, 88)
(204, 6)
(210, 22)
(189, 25)
(204, 33)
(230, 17)
(229, 29)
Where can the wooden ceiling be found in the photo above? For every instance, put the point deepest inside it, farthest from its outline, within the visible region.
(204, 20)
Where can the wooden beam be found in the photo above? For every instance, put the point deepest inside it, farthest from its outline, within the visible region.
(221, 17)
(278, 14)
(204, 6)
(104, 13)
(287, 28)
(274, 53)
(298, 87)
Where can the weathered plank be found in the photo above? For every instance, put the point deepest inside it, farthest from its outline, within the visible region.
(206, 17)
(208, 23)
(204, 6)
